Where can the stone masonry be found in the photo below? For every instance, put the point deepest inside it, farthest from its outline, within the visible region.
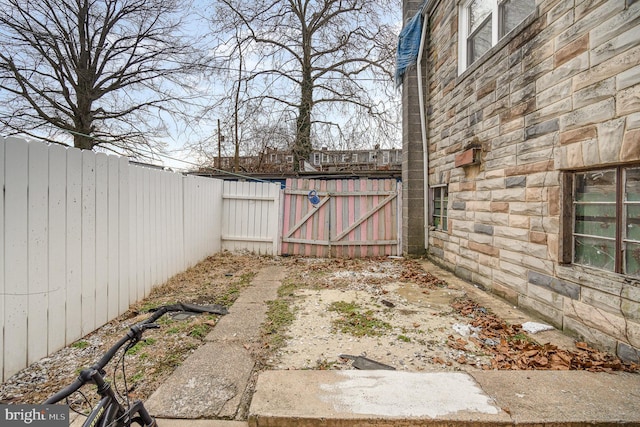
(559, 94)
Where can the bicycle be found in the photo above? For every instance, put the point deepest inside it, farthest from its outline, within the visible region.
(110, 411)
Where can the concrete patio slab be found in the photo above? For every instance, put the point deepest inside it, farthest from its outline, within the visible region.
(210, 384)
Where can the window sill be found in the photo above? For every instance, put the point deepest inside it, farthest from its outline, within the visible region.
(499, 46)
(594, 278)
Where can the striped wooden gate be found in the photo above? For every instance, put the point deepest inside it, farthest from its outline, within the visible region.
(348, 218)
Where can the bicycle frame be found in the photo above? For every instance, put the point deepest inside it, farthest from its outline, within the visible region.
(109, 412)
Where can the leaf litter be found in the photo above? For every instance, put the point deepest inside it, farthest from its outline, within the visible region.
(375, 281)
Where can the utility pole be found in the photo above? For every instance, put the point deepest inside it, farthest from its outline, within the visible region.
(219, 147)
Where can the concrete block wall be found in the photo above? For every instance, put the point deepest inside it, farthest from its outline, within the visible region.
(561, 94)
(413, 222)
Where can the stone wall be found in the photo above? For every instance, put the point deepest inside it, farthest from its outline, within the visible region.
(560, 94)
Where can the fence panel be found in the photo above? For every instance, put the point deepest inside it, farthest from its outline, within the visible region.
(250, 217)
(102, 239)
(38, 219)
(85, 235)
(16, 255)
(123, 235)
(201, 218)
(88, 257)
(57, 252)
(346, 218)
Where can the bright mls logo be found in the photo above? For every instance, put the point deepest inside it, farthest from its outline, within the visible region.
(34, 415)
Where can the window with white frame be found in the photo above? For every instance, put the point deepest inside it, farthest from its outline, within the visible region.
(606, 219)
(483, 23)
(440, 199)
(316, 158)
(385, 157)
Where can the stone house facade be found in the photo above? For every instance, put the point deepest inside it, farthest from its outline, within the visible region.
(531, 118)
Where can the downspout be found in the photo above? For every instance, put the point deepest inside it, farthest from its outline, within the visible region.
(423, 128)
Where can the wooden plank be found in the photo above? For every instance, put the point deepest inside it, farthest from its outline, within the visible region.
(163, 272)
(57, 247)
(146, 227)
(123, 235)
(191, 244)
(38, 220)
(308, 215)
(88, 257)
(247, 239)
(375, 221)
(174, 262)
(268, 197)
(102, 239)
(398, 213)
(178, 223)
(16, 255)
(154, 228)
(134, 266)
(351, 217)
(366, 243)
(74, 248)
(346, 193)
(364, 217)
(113, 275)
(286, 216)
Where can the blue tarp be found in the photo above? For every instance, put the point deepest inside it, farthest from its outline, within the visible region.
(408, 46)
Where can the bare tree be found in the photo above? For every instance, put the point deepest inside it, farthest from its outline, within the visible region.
(105, 71)
(326, 60)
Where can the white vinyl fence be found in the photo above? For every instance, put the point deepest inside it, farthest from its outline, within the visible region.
(251, 217)
(85, 235)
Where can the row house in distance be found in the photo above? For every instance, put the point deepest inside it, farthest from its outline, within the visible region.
(323, 160)
(521, 135)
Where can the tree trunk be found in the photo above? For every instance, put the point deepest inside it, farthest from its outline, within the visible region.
(302, 146)
(83, 142)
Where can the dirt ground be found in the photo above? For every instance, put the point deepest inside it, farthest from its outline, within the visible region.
(389, 310)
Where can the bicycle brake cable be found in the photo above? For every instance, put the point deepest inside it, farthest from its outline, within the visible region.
(86, 400)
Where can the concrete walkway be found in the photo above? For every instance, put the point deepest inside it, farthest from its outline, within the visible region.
(210, 388)
(212, 382)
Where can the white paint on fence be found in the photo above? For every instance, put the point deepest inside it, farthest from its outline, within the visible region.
(250, 217)
(16, 253)
(85, 235)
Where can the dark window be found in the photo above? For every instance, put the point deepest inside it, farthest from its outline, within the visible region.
(606, 219)
(439, 211)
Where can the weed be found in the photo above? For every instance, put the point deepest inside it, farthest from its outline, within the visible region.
(200, 330)
(288, 288)
(229, 297)
(355, 322)
(325, 365)
(80, 344)
(137, 377)
(140, 345)
(279, 317)
(522, 337)
(175, 330)
(404, 338)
